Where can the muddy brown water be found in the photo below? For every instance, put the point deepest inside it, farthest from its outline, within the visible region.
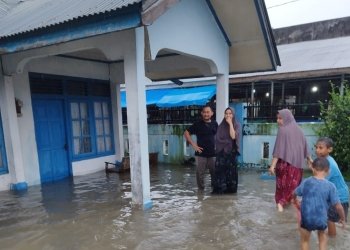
(95, 212)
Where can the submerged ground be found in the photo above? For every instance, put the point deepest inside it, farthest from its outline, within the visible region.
(95, 212)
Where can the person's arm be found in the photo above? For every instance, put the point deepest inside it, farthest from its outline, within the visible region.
(273, 165)
(188, 138)
(309, 161)
(232, 131)
(231, 128)
(295, 201)
(341, 213)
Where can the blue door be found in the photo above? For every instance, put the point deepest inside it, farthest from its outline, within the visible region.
(51, 139)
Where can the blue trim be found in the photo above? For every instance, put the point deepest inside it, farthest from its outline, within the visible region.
(147, 205)
(267, 31)
(4, 169)
(83, 27)
(20, 186)
(219, 23)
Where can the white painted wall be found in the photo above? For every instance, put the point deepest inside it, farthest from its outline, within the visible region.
(91, 165)
(190, 28)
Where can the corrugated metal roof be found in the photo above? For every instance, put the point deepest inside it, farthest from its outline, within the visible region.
(35, 14)
(311, 55)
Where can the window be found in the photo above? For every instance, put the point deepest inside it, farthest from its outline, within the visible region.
(266, 150)
(103, 127)
(165, 147)
(3, 160)
(80, 128)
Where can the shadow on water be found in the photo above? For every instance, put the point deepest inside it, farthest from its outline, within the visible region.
(95, 212)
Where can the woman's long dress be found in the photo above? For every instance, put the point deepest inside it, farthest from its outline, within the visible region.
(226, 172)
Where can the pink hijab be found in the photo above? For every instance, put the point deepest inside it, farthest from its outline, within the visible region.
(290, 144)
(223, 138)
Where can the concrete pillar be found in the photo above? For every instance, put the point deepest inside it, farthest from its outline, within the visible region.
(134, 66)
(117, 119)
(222, 95)
(11, 134)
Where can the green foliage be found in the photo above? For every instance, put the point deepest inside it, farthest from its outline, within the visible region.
(336, 118)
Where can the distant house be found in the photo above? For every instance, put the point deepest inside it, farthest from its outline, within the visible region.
(62, 63)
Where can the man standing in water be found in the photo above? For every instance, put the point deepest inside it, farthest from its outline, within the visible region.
(205, 130)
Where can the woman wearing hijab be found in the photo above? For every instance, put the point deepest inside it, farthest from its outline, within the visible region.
(288, 159)
(227, 149)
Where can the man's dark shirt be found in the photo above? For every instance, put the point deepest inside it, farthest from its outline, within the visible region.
(205, 132)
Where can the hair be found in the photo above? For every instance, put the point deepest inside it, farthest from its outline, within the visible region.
(326, 140)
(321, 164)
(207, 106)
(232, 109)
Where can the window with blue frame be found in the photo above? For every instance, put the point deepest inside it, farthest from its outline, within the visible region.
(103, 126)
(81, 132)
(3, 160)
(91, 127)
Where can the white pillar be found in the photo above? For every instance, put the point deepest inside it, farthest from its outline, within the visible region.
(117, 119)
(222, 95)
(11, 133)
(134, 65)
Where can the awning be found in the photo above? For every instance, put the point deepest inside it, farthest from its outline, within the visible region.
(177, 97)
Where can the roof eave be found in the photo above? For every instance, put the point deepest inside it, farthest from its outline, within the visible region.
(116, 20)
(268, 34)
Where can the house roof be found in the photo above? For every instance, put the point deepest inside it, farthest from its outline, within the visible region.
(307, 59)
(29, 15)
(28, 24)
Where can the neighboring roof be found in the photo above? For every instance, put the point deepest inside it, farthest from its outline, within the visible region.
(31, 15)
(176, 97)
(331, 55)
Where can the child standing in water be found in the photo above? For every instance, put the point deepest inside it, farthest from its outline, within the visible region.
(324, 146)
(318, 194)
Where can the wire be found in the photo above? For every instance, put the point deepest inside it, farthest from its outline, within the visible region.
(278, 5)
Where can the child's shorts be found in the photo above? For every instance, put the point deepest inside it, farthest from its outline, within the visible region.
(312, 227)
(333, 214)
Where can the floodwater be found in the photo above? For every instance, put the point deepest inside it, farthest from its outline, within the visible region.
(95, 212)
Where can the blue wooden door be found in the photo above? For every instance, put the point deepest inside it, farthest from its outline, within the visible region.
(51, 139)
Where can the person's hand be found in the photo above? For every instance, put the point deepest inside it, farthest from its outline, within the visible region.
(342, 222)
(229, 120)
(309, 162)
(272, 170)
(197, 148)
(296, 203)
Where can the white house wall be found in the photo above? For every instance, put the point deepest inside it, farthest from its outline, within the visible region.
(190, 28)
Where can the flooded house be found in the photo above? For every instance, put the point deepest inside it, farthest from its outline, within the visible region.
(62, 64)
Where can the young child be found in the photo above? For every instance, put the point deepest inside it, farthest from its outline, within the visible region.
(318, 194)
(324, 147)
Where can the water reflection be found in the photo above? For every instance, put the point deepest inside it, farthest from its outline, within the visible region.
(95, 212)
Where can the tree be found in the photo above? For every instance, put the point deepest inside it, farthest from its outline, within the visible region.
(336, 118)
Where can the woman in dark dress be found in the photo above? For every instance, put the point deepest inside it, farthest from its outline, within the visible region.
(227, 150)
